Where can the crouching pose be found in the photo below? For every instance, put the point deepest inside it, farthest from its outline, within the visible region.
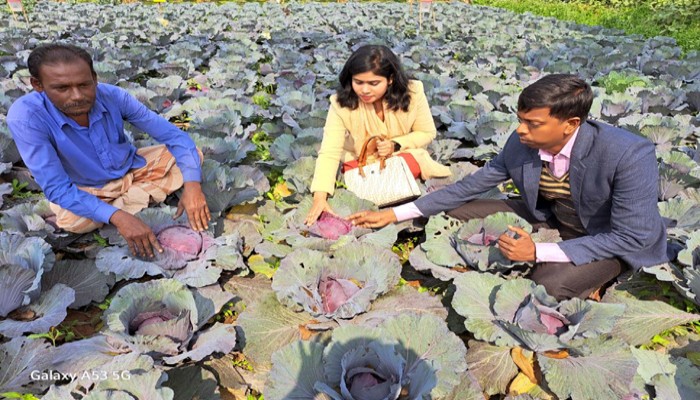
(70, 134)
(375, 98)
(595, 183)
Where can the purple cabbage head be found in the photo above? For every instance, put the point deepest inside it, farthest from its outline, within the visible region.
(329, 226)
(163, 318)
(182, 240)
(372, 372)
(194, 258)
(181, 244)
(537, 317)
(482, 238)
(160, 321)
(336, 292)
(411, 356)
(339, 286)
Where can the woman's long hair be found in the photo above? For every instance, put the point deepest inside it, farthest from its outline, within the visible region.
(379, 60)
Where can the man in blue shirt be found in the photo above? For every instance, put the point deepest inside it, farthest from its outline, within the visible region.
(70, 133)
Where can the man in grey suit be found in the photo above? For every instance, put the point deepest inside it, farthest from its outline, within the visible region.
(596, 184)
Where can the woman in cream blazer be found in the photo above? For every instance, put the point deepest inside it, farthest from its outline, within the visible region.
(375, 98)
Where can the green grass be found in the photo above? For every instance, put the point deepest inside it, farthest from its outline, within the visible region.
(679, 24)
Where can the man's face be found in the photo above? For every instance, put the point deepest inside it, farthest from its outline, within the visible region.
(71, 87)
(539, 130)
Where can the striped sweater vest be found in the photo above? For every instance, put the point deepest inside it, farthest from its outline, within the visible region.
(558, 192)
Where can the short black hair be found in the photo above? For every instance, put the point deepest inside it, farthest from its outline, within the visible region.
(566, 96)
(379, 60)
(56, 53)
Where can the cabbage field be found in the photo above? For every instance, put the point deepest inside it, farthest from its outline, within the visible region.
(261, 305)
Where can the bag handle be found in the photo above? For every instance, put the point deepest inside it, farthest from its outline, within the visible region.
(362, 160)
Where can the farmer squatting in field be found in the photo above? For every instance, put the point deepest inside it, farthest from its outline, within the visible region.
(70, 133)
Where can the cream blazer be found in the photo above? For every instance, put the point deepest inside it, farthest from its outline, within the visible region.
(346, 131)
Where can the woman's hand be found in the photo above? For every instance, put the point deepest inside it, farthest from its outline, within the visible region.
(385, 148)
(319, 205)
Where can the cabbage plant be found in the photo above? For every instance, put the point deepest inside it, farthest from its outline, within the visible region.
(20, 356)
(298, 176)
(583, 347)
(314, 292)
(5, 188)
(39, 290)
(32, 219)
(36, 307)
(23, 261)
(104, 367)
(286, 231)
(165, 319)
(683, 215)
(194, 258)
(338, 286)
(224, 186)
(410, 356)
(451, 245)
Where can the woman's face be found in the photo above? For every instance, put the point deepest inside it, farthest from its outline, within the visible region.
(369, 87)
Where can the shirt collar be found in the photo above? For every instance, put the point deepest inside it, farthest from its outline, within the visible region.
(565, 151)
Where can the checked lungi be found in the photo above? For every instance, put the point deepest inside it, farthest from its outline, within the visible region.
(132, 193)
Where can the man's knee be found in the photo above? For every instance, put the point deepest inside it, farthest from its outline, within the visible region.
(566, 280)
(70, 222)
(556, 279)
(555, 287)
(481, 208)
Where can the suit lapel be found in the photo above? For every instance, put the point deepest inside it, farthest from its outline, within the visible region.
(577, 165)
(532, 169)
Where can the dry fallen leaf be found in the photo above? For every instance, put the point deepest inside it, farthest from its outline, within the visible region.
(281, 190)
(228, 393)
(22, 315)
(525, 363)
(520, 385)
(556, 354)
(242, 212)
(596, 295)
(305, 332)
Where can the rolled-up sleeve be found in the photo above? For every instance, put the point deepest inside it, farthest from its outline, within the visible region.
(43, 162)
(179, 143)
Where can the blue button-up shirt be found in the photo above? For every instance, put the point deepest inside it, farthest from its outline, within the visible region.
(63, 155)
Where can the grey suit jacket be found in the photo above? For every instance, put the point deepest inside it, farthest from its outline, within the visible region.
(614, 185)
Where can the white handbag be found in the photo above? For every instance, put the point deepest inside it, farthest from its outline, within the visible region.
(385, 182)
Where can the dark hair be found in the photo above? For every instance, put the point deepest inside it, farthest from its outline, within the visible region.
(566, 96)
(56, 53)
(379, 60)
